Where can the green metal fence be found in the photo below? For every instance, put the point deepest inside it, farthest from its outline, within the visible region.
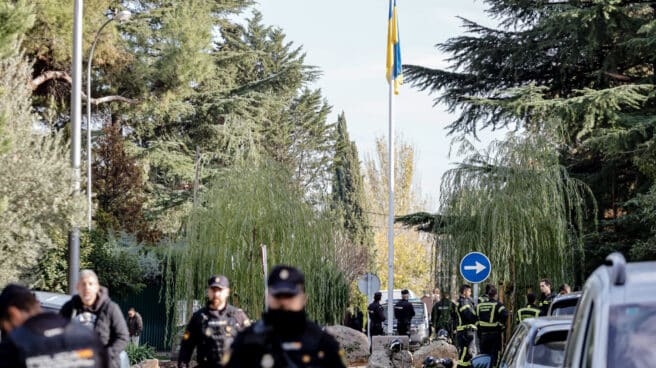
(153, 312)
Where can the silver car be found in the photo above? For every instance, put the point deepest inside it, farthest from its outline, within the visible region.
(537, 343)
(615, 321)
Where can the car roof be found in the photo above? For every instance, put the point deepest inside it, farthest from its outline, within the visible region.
(638, 285)
(572, 295)
(51, 300)
(542, 322)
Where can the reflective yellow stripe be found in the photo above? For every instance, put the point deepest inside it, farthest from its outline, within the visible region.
(463, 327)
(465, 307)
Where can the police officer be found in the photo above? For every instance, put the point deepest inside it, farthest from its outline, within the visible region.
(44, 340)
(441, 315)
(212, 328)
(492, 317)
(376, 315)
(546, 297)
(530, 311)
(485, 297)
(403, 312)
(284, 337)
(465, 327)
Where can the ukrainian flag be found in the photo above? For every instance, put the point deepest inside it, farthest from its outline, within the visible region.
(394, 72)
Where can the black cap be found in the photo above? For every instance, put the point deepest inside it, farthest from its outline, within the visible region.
(286, 280)
(218, 281)
(405, 292)
(378, 294)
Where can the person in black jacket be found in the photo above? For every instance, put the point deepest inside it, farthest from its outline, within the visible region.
(284, 337)
(93, 308)
(135, 325)
(547, 296)
(36, 339)
(212, 328)
(376, 315)
(403, 312)
(492, 317)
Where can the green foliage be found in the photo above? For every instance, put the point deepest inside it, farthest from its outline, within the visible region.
(139, 353)
(247, 206)
(15, 19)
(516, 204)
(35, 185)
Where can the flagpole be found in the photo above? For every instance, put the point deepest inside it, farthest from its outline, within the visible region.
(390, 219)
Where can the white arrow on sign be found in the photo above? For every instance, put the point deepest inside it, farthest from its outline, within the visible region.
(478, 267)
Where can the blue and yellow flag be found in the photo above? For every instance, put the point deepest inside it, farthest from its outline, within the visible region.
(394, 72)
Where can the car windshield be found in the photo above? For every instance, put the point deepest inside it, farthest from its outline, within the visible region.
(549, 349)
(562, 309)
(631, 335)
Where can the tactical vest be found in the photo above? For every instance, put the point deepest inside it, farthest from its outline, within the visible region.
(527, 312)
(301, 352)
(68, 347)
(217, 335)
(487, 316)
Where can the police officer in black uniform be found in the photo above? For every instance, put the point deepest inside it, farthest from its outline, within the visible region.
(35, 339)
(492, 317)
(376, 315)
(212, 328)
(546, 297)
(403, 312)
(441, 315)
(284, 337)
(466, 318)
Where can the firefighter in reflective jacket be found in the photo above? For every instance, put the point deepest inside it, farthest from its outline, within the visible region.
(465, 317)
(492, 317)
(212, 328)
(530, 311)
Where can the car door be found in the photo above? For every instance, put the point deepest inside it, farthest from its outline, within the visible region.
(514, 349)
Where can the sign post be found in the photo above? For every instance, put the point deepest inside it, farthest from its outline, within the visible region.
(475, 267)
(368, 284)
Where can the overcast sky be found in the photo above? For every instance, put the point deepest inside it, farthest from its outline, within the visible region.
(347, 39)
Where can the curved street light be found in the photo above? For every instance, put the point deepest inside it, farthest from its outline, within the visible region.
(121, 16)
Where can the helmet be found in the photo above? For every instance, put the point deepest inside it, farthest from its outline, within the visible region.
(395, 346)
(430, 362)
(442, 334)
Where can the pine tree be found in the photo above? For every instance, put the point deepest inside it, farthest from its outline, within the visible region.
(348, 201)
(581, 66)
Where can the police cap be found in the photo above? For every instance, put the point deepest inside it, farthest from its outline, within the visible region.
(286, 280)
(405, 292)
(218, 281)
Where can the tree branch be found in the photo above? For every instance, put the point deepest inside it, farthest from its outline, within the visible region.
(55, 74)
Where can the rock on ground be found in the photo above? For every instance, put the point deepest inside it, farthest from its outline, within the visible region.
(148, 363)
(436, 349)
(381, 359)
(355, 343)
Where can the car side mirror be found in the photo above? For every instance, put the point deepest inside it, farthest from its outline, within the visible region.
(482, 361)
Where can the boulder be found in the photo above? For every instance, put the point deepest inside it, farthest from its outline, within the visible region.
(436, 349)
(148, 363)
(354, 343)
(385, 359)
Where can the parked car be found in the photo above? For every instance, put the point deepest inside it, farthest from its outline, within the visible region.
(396, 295)
(419, 325)
(565, 304)
(52, 302)
(537, 343)
(615, 321)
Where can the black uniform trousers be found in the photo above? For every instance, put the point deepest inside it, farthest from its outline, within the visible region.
(467, 347)
(490, 342)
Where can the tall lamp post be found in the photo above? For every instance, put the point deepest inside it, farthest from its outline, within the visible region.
(121, 16)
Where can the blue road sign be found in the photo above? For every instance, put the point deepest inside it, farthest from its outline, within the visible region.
(475, 267)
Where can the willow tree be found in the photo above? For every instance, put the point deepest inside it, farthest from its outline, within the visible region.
(515, 203)
(247, 206)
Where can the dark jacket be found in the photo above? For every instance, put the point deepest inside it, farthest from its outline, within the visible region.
(35, 340)
(544, 302)
(106, 319)
(211, 333)
(135, 324)
(403, 312)
(260, 345)
(376, 317)
(465, 314)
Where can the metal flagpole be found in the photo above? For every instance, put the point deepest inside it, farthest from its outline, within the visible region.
(390, 219)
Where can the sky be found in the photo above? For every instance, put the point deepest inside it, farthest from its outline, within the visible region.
(346, 40)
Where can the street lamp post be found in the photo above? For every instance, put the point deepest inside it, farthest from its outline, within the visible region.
(121, 16)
